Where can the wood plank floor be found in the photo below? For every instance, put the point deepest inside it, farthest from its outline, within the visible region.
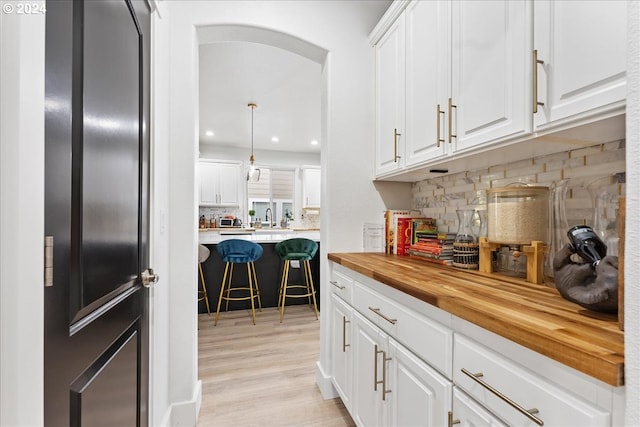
(263, 375)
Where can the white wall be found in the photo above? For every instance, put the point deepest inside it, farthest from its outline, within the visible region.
(21, 218)
(632, 237)
(264, 158)
(341, 28)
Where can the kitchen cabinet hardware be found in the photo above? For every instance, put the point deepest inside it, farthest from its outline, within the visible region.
(451, 107)
(377, 311)
(529, 413)
(439, 111)
(344, 334)
(536, 61)
(383, 381)
(149, 278)
(450, 420)
(395, 145)
(336, 284)
(375, 367)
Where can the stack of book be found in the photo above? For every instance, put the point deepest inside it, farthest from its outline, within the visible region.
(391, 221)
(433, 246)
(407, 230)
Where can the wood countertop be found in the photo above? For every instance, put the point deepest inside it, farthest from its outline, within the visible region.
(535, 316)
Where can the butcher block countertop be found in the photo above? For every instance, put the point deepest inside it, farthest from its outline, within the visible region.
(535, 316)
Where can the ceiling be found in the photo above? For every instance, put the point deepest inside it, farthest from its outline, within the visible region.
(285, 86)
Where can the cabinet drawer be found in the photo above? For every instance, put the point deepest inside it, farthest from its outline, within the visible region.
(429, 340)
(552, 405)
(341, 283)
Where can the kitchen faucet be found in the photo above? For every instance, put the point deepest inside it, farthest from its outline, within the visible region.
(269, 217)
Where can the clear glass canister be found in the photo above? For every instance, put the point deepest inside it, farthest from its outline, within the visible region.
(518, 215)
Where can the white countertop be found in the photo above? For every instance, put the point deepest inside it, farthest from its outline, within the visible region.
(258, 236)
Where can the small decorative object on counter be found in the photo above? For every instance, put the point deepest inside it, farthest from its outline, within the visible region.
(592, 284)
(465, 246)
(557, 226)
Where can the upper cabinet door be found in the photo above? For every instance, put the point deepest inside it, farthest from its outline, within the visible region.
(230, 189)
(427, 79)
(491, 71)
(311, 186)
(209, 183)
(582, 46)
(390, 89)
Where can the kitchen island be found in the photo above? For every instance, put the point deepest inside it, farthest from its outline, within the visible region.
(268, 267)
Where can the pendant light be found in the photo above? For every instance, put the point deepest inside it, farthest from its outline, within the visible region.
(253, 174)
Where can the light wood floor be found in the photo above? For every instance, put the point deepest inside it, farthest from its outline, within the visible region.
(263, 375)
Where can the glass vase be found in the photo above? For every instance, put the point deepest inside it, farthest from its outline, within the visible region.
(466, 251)
(558, 227)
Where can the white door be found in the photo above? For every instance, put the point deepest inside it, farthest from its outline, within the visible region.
(419, 394)
(491, 73)
(209, 183)
(390, 99)
(341, 348)
(311, 181)
(428, 70)
(584, 65)
(229, 178)
(369, 345)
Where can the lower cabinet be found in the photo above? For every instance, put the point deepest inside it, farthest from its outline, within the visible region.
(386, 376)
(392, 386)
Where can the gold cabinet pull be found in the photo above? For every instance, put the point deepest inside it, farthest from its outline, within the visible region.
(336, 284)
(344, 334)
(450, 420)
(395, 144)
(377, 311)
(526, 412)
(451, 107)
(439, 111)
(536, 61)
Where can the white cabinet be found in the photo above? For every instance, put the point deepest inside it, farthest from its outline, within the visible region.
(517, 394)
(311, 185)
(468, 413)
(341, 348)
(583, 67)
(451, 76)
(390, 98)
(491, 83)
(220, 183)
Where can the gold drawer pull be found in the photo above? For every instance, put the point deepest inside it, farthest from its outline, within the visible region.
(451, 107)
(536, 61)
(450, 420)
(526, 412)
(336, 284)
(377, 311)
(395, 145)
(439, 112)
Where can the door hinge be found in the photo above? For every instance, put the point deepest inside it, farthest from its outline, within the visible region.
(48, 261)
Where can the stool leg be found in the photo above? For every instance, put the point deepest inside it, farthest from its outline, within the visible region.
(255, 282)
(205, 296)
(224, 281)
(310, 284)
(285, 280)
(226, 308)
(253, 308)
(281, 288)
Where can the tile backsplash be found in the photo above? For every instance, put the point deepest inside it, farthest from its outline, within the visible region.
(600, 166)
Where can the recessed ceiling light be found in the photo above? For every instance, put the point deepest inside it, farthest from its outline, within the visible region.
(275, 139)
(314, 142)
(209, 133)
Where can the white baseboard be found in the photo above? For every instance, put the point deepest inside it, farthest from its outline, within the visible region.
(323, 381)
(186, 413)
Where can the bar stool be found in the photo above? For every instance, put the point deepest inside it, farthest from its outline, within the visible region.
(237, 251)
(203, 255)
(302, 250)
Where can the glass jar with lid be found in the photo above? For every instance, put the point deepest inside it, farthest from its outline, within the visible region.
(518, 214)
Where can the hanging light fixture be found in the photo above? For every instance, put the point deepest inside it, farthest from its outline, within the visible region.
(253, 174)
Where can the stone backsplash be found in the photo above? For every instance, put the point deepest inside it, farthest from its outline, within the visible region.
(600, 166)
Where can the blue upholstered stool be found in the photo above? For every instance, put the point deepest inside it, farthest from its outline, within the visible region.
(237, 251)
(302, 250)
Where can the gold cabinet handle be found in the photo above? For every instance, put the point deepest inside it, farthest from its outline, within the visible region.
(536, 61)
(336, 284)
(526, 412)
(438, 112)
(377, 311)
(450, 420)
(451, 107)
(395, 144)
(344, 334)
